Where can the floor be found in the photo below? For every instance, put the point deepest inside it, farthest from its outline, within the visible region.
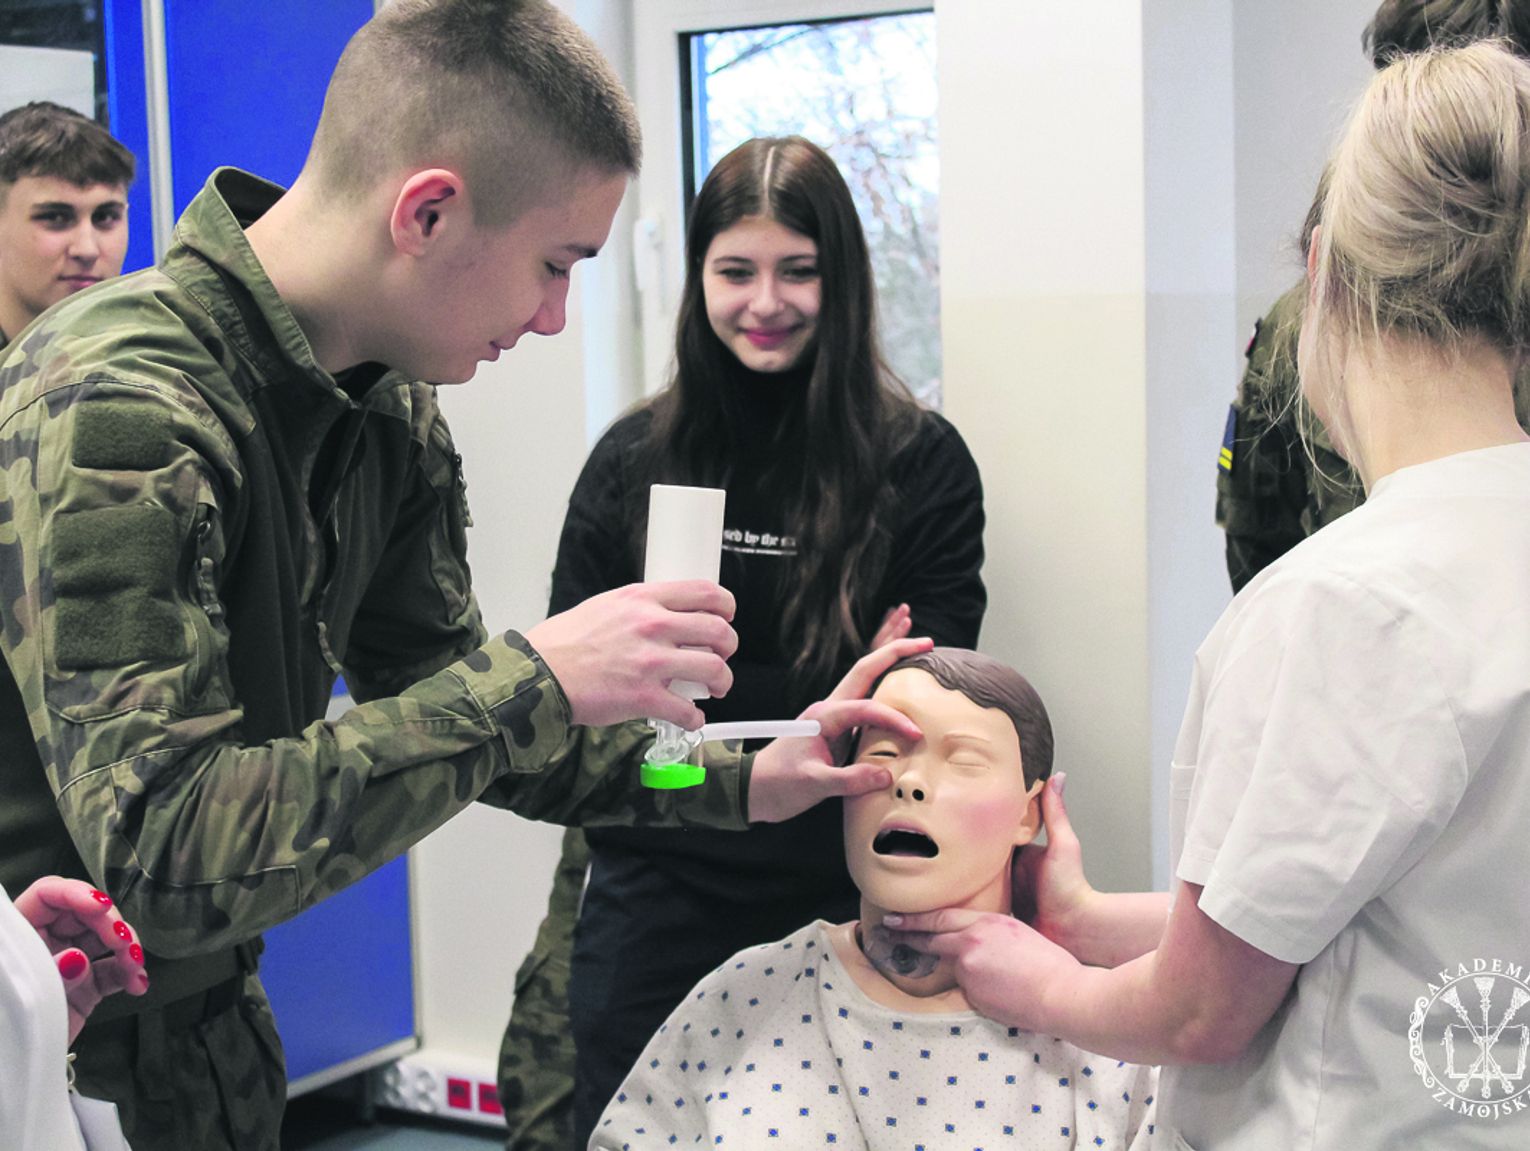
(334, 1121)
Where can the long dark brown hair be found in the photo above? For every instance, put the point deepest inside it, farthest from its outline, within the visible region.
(854, 417)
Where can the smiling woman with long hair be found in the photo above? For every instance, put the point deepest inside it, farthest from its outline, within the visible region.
(854, 515)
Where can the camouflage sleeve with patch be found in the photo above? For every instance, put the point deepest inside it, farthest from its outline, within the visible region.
(112, 493)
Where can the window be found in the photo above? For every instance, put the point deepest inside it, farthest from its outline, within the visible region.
(71, 72)
(864, 90)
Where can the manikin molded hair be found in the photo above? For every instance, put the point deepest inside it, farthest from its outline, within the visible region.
(989, 682)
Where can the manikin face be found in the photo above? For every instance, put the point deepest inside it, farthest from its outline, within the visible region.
(760, 280)
(490, 286)
(55, 239)
(944, 833)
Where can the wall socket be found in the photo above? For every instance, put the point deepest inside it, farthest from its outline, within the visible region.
(440, 1084)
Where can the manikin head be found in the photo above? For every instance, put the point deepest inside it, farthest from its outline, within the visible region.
(469, 152)
(962, 798)
(63, 208)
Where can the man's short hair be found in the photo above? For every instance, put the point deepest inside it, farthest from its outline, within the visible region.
(511, 94)
(47, 139)
(988, 682)
(1402, 27)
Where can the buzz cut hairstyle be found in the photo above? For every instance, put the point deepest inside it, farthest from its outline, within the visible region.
(989, 682)
(44, 139)
(510, 94)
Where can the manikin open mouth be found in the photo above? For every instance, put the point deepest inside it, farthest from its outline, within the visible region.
(901, 841)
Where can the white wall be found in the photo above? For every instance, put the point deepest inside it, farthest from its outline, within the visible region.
(1190, 353)
(1044, 329)
(523, 426)
(62, 75)
(1117, 198)
(1299, 68)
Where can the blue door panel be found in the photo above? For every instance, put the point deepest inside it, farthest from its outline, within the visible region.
(247, 82)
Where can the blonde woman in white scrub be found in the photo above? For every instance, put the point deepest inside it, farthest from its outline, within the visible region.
(1347, 960)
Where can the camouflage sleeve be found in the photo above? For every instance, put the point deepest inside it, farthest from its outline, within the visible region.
(1261, 471)
(598, 785)
(112, 493)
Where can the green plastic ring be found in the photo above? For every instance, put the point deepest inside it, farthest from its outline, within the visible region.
(671, 776)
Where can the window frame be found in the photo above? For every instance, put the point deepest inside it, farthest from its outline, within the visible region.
(662, 72)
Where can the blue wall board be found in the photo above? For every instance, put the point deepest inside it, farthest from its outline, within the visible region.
(127, 106)
(339, 975)
(247, 82)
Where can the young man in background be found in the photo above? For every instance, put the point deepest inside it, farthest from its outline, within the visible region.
(63, 209)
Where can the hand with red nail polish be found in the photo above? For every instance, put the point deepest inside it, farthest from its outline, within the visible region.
(94, 949)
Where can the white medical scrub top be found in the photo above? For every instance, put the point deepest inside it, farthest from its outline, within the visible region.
(34, 1035)
(1353, 790)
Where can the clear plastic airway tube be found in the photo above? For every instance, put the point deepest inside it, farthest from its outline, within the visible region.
(760, 729)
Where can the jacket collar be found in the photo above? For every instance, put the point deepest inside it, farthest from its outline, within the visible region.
(211, 259)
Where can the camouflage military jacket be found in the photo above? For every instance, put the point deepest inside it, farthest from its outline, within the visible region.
(199, 528)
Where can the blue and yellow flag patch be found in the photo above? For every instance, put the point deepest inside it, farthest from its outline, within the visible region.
(1225, 456)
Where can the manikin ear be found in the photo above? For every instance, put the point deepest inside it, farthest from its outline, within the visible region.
(1031, 824)
(430, 203)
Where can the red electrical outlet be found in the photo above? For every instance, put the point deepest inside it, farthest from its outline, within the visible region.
(488, 1100)
(459, 1094)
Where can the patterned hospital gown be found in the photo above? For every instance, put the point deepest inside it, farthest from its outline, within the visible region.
(778, 1048)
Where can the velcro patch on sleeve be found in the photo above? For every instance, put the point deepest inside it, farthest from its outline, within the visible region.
(120, 435)
(113, 581)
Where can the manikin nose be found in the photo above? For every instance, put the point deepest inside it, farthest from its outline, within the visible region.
(917, 793)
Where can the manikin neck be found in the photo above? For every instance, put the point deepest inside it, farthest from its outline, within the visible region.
(906, 980)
